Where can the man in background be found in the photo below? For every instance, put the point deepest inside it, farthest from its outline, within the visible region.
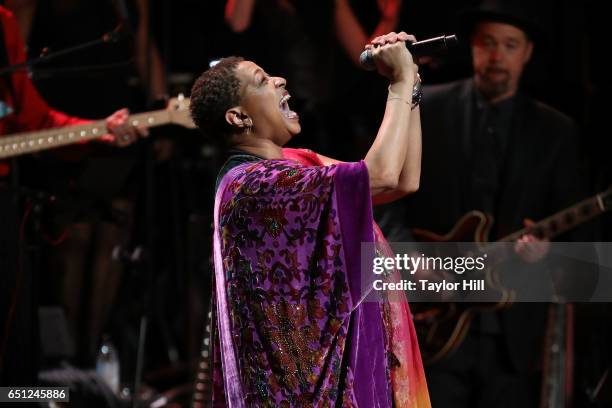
(489, 146)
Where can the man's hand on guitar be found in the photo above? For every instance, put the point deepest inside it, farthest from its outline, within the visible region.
(529, 247)
(121, 132)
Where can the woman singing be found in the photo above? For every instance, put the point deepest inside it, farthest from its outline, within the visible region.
(292, 326)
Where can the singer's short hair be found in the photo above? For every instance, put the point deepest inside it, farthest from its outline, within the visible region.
(212, 94)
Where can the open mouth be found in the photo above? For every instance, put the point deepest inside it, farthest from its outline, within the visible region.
(284, 107)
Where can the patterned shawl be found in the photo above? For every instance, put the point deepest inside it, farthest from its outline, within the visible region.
(292, 327)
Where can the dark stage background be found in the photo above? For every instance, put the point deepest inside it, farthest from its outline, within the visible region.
(165, 253)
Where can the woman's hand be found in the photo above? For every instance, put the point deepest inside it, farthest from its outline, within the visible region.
(392, 58)
(395, 143)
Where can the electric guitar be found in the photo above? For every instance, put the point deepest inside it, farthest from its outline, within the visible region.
(17, 144)
(441, 327)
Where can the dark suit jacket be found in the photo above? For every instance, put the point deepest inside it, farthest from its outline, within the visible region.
(541, 175)
(542, 171)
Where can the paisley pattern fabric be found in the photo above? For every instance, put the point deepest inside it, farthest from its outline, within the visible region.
(292, 330)
(409, 385)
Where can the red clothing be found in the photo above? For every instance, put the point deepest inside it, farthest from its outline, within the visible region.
(30, 111)
(305, 156)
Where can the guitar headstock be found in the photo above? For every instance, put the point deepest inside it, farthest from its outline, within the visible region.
(178, 110)
(606, 198)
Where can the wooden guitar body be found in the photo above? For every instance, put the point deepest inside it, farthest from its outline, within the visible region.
(442, 326)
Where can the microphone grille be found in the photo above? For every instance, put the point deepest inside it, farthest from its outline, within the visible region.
(367, 61)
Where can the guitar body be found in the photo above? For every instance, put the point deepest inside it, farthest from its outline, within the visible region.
(442, 326)
(472, 227)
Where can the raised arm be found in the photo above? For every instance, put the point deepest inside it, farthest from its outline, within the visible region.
(394, 160)
(411, 171)
(386, 159)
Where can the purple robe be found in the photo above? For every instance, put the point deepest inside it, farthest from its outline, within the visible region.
(293, 329)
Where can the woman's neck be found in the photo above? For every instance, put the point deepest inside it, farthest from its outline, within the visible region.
(261, 147)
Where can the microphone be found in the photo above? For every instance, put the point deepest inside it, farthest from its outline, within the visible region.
(417, 49)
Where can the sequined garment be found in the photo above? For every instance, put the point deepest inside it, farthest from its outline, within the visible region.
(409, 387)
(291, 329)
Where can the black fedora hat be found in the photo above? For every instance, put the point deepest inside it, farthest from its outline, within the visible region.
(515, 13)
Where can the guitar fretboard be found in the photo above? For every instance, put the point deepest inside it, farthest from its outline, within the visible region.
(562, 221)
(29, 142)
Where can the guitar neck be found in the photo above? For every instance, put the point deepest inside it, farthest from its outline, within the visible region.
(30, 142)
(563, 220)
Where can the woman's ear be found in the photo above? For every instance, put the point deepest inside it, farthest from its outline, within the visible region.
(238, 118)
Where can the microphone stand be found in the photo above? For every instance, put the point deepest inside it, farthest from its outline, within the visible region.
(111, 37)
